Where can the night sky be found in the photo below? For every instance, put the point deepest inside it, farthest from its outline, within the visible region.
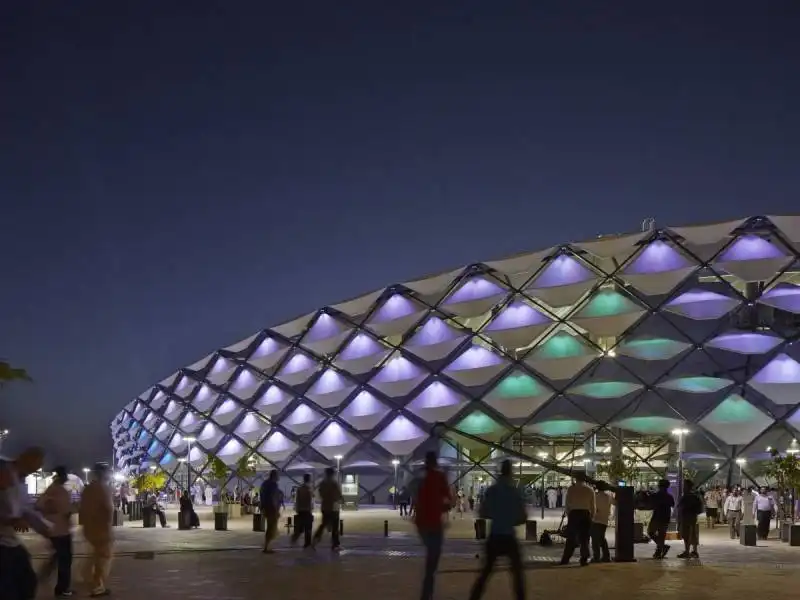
(177, 175)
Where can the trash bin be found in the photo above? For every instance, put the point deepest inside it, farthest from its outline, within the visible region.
(221, 521)
(530, 531)
(118, 518)
(258, 522)
(135, 510)
(480, 529)
(148, 517)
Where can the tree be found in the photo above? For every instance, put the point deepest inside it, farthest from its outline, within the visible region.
(150, 481)
(245, 469)
(9, 374)
(621, 468)
(219, 472)
(784, 469)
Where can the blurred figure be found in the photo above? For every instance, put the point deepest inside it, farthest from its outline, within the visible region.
(187, 510)
(271, 509)
(304, 515)
(603, 502)
(96, 514)
(158, 510)
(580, 509)
(661, 504)
(689, 508)
(733, 512)
(712, 499)
(505, 508)
(330, 495)
(17, 578)
(432, 504)
(55, 505)
(763, 509)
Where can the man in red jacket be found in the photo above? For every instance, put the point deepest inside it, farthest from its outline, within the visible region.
(433, 502)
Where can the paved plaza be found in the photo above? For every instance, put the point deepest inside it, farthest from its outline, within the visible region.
(159, 563)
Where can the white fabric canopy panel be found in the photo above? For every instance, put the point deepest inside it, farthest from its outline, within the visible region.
(396, 315)
(519, 269)
(753, 258)
(173, 410)
(608, 313)
(295, 327)
(277, 447)
(358, 306)
(268, 354)
(191, 422)
(436, 402)
(251, 428)
(185, 387)
(164, 431)
(398, 377)
(141, 410)
(563, 282)
(177, 444)
(364, 412)
(205, 398)
(476, 366)
(158, 400)
(708, 234)
(558, 427)
(326, 334)
(779, 380)
(650, 348)
(789, 225)
(245, 385)
(334, 441)
(434, 340)
(561, 357)
(474, 297)
(658, 269)
(518, 395)
(167, 461)
(330, 389)
(222, 370)
(619, 247)
(272, 401)
(242, 345)
(401, 437)
(698, 384)
(232, 452)
(167, 383)
(150, 422)
(201, 364)
(433, 285)
(745, 342)
(210, 436)
(784, 296)
(302, 420)
(298, 369)
(649, 425)
(701, 305)
(361, 354)
(605, 389)
(517, 325)
(735, 421)
(227, 412)
(197, 457)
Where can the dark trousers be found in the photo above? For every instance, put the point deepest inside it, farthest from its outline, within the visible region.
(330, 520)
(433, 541)
(62, 561)
(303, 522)
(764, 519)
(404, 509)
(579, 526)
(162, 518)
(599, 543)
(17, 578)
(657, 530)
(497, 546)
(271, 530)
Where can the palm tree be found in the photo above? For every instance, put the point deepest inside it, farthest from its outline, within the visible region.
(9, 374)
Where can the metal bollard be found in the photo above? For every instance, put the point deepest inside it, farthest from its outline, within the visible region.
(288, 525)
(341, 527)
(386, 529)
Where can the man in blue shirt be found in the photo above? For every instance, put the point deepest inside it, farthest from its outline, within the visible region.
(270, 498)
(504, 506)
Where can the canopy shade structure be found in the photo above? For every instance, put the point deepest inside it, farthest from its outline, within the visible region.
(689, 326)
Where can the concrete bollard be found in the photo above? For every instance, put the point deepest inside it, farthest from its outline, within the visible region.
(341, 526)
(386, 529)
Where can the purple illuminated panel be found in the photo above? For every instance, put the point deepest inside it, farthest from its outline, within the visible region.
(359, 347)
(750, 247)
(745, 342)
(435, 395)
(657, 257)
(299, 362)
(435, 331)
(395, 307)
(474, 358)
(401, 437)
(232, 449)
(329, 381)
(475, 289)
(515, 315)
(781, 369)
(562, 270)
(334, 435)
(702, 305)
(324, 328)
(267, 347)
(784, 296)
(398, 369)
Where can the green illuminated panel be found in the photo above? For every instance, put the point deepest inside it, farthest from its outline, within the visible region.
(561, 345)
(478, 423)
(520, 386)
(649, 425)
(559, 427)
(607, 303)
(735, 409)
(605, 389)
(696, 385)
(653, 349)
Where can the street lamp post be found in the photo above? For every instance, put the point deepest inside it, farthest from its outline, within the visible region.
(86, 475)
(338, 458)
(395, 463)
(189, 441)
(681, 435)
(3, 436)
(740, 462)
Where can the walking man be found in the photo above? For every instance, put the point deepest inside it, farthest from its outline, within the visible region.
(662, 503)
(733, 511)
(603, 501)
(505, 508)
(96, 514)
(55, 504)
(580, 509)
(330, 495)
(689, 508)
(432, 504)
(269, 495)
(711, 500)
(303, 507)
(763, 509)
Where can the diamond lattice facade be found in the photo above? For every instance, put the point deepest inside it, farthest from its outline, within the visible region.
(623, 337)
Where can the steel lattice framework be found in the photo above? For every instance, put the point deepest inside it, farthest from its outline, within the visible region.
(669, 327)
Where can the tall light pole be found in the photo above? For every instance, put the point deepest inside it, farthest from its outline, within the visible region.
(740, 462)
(86, 475)
(3, 436)
(395, 463)
(189, 441)
(681, 435)
(338, 458)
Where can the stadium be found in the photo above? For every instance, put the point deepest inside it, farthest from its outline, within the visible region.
(668, 346)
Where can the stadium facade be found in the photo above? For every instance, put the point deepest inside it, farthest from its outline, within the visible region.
(668, 343)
